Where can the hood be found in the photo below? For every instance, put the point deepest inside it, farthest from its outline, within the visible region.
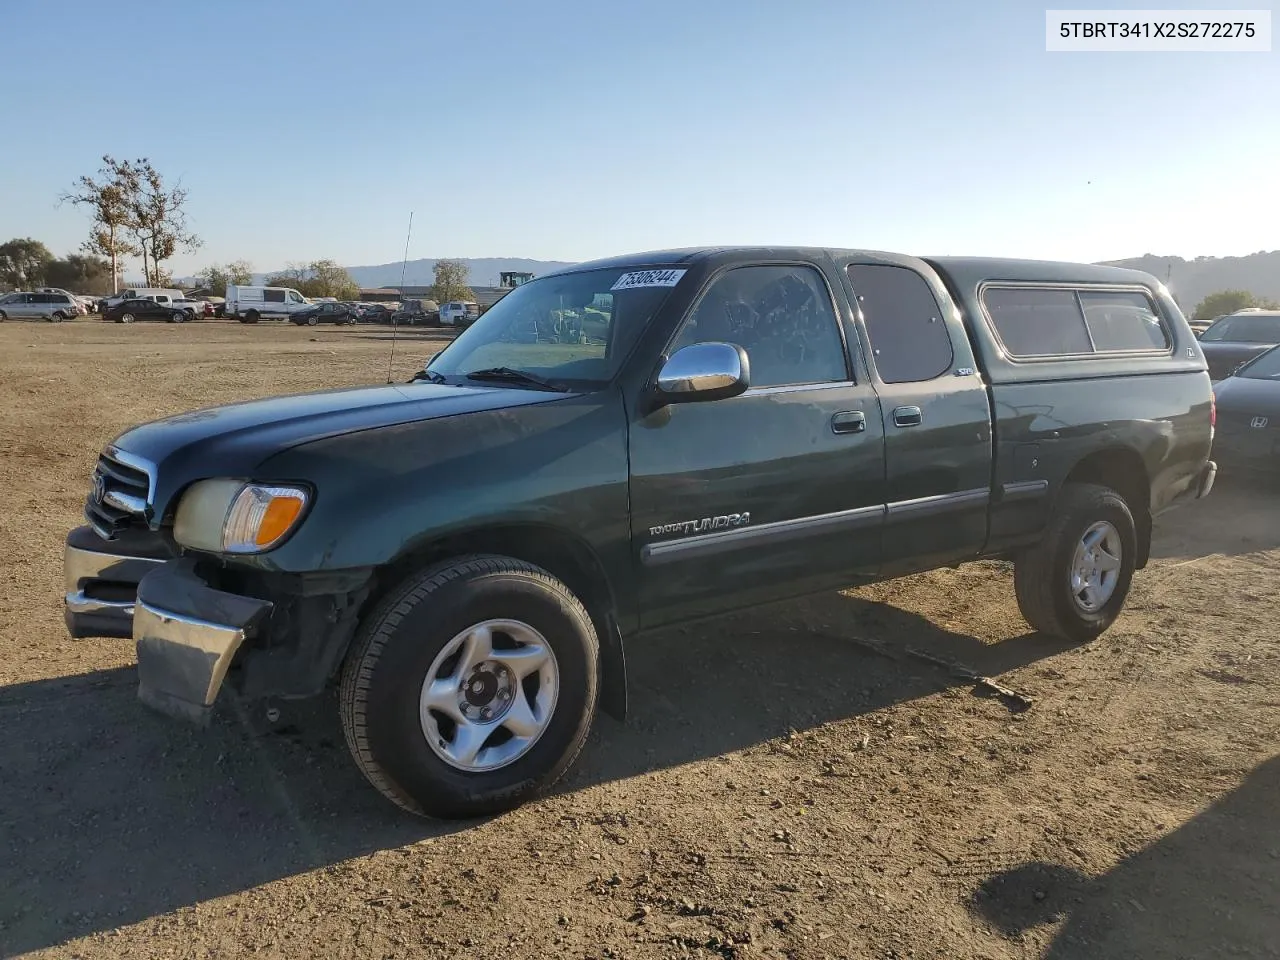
(1248, 396)
(233, 440)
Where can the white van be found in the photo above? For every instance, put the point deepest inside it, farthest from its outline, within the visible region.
(251, 304)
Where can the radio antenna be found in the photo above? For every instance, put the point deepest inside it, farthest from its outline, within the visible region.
(394, 325)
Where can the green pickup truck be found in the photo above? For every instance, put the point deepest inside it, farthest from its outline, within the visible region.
(628, 444)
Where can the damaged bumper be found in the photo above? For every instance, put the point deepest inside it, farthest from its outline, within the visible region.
(1204, 483)
(187, 634)
(101, 581)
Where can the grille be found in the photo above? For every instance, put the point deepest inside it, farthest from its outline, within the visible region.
(120, 496)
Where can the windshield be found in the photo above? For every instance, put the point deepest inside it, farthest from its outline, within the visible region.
(1266, 366)
(1245, 328)
(572, 328)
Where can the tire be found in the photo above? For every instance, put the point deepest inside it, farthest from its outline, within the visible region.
(400, 643)
(3, 316)
(58, 316)
(312, 321)
(252, 316)
(125, 318)
(177, 317)
(1043, 574)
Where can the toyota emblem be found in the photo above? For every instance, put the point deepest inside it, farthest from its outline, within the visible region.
(1258, 422)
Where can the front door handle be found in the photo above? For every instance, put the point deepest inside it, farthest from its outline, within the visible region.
(848, 421)
(907, 416)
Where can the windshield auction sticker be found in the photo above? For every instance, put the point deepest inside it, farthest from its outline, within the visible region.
(648, 278)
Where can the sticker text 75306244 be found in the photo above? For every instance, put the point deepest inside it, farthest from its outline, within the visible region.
(648, 278)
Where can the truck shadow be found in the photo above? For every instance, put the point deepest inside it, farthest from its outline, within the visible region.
(1207, 889)
(112, 814)
(1239, 516)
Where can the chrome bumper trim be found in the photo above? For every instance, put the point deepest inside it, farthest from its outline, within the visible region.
(176, 634)
(79, 565)
(78, 604)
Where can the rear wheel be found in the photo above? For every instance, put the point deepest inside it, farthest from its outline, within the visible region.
(1074, 583)
(3, 316)
(252, 316)
(125, 318)
(471, 688)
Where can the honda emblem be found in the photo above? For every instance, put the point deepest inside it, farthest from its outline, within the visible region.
(1258, 422)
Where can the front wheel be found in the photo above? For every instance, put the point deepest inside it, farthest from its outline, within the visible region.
(312, 321)
(471, 688)
(125, 318)
(1074, 582)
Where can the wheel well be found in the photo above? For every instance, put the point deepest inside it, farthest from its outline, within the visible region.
(1123, 471)
(559, 553)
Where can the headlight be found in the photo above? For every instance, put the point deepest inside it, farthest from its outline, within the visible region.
(231, 516)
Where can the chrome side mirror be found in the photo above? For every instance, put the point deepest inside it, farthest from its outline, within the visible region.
(704, 371)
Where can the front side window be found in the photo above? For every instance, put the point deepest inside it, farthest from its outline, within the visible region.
(781, 315)
(572, 328)
(909, 339)
(273, 296)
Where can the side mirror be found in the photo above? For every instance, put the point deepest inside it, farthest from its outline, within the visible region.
(704, 371)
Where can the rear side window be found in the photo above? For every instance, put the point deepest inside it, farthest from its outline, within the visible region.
(273, 296)
(1122, 320)
(1038, 322)
(909, 340)
(1034, 322)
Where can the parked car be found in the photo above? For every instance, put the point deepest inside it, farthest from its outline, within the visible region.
(1247, 436)
(1237, 337)
(459, 313)
(164, 295)
(54, 307)
(144, 309)
(327, 312)
(760, 423)
(189, 305)
(249, 304)
(376, 313)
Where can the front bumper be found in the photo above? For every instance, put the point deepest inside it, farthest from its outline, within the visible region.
(101, 581)
(187, 634)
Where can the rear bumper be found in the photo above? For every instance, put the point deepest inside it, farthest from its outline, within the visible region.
(1204, 483)
(187, 634)
(101, 581)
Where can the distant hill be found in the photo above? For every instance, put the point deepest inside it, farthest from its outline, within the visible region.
(484, 271)
(1191, 281)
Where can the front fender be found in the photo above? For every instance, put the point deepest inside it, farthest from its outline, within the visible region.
(382, 493)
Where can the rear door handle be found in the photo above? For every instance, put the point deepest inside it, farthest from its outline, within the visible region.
(848, 421)
(907, 416)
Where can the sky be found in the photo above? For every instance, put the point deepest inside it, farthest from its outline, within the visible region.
(566, 130)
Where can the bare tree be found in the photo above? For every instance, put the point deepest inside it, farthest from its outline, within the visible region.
(109, 198)
(157, 220)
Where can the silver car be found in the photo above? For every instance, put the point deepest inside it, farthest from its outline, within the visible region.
(38, 306)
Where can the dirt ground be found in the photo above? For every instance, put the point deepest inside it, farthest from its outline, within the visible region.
(780, 789)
